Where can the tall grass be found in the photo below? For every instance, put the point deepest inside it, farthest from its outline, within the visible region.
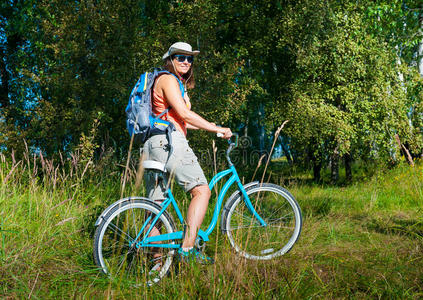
(359, 241)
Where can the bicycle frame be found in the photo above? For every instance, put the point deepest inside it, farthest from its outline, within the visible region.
(158, 240)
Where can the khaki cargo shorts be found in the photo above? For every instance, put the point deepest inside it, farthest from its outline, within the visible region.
(182, 164)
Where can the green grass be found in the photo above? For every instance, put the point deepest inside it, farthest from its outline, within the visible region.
(359, 241)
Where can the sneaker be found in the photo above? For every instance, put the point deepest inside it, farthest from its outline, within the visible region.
(194, 255)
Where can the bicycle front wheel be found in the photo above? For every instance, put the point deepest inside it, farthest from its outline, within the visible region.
(277, 208)
(116, 248)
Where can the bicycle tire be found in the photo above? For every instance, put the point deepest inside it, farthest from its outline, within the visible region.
(254, 241)
(113, 252)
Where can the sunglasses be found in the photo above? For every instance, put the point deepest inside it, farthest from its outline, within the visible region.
(181, 58)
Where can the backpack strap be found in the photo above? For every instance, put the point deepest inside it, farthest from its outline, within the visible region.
(163, 112)
(181, 85)
(171, 127)
(181, 88)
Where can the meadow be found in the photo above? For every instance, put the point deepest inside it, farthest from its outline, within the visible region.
(361, 240)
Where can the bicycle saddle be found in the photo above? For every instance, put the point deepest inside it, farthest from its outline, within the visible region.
(153, 165)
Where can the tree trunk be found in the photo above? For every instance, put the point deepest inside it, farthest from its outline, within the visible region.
(261, 128)
(12, 44)
(405, 151)
(317, 167)
(348, 171)
(334, 167)
(287, 155)
(420, 48)
(401, 78)
(285, 149)
(316, 163)
(4, 77)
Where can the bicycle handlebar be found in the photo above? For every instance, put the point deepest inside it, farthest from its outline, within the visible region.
(230, 139)
(236, 135)
(232, 145)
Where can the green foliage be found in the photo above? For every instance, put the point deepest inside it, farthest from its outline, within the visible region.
(87, 146)
(342, 73)
(347, 96)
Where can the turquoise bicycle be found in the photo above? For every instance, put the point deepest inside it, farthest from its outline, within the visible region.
(261, 220)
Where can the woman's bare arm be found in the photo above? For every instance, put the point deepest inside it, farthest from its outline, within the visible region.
(189, 126)
(170, 89)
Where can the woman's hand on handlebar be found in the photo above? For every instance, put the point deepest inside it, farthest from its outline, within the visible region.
(224, 133)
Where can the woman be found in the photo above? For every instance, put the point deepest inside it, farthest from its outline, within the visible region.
(182, 164)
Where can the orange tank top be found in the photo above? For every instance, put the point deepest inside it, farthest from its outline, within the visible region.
(159, 104)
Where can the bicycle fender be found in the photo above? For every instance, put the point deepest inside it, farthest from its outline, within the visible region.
(230, 199)
(117, 203)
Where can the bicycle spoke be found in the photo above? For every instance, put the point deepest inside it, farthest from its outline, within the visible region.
(246, 217)
(250, 219)
(120, 265)
(253, 240)
(281, 218)
(118, 230)
(258, 226)
(275, 212)
(133, 220)
(131, 264)
(115, 249)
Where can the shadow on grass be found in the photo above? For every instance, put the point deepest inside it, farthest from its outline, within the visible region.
(317, 207)
(286, 174)
(398, 226)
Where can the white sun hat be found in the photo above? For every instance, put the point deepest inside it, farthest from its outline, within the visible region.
(180, 48)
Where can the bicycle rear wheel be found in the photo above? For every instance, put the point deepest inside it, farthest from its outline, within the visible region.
(115, 243)
(278, 208)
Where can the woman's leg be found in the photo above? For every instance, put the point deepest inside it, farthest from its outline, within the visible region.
(157, 252)
(196, 212)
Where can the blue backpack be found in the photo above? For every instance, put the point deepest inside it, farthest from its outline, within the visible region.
(141, 122)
